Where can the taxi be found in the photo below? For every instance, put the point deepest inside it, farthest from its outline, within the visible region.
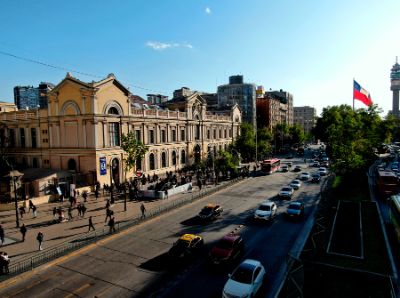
(186, 245)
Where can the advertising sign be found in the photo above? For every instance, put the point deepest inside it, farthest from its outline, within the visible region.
(103, 166)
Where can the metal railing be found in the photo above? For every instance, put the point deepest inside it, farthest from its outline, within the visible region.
(76, 243)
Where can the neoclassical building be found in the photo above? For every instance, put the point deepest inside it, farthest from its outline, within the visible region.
(81, 129)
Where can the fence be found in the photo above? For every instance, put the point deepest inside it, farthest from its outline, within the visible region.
(78, 242)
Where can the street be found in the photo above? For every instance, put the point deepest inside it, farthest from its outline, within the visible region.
(134, 263)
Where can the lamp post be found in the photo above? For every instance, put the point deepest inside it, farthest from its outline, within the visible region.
(111, 185)
(14, 175)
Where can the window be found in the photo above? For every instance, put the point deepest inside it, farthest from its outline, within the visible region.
(22, 134)
(33, 137)
(152, 161)
(173, 135)
(12, 138)
(138, 135)
(174, 158)
(215, 133)
(163, 160)
(230, 133)
(163, 136)
(225, 133)
(183, 156)
(197, 132)
(151, 136)
(220, 133)
(182, 135)
(114, 134)
(208, 134)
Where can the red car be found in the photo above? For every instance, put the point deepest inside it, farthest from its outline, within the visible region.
(227, 249)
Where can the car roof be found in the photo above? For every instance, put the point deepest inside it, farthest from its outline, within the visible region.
(188, 237)
(295, 204)
(210, 205)
(231, 237)
(296, 180)
(250, 263)
(267, 203)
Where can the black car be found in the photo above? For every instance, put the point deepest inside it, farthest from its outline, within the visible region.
(297, 169)
(315, 178)
(210, 212)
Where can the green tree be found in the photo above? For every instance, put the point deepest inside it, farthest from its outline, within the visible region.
(134, 150)
(264, 138)
(245, 143)
(296, 134)
(226, 161)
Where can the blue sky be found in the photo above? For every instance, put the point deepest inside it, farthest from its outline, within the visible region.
(312, 49)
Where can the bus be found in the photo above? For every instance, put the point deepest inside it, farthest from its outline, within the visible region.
(387, 182)
(269, 166)
(394, 215)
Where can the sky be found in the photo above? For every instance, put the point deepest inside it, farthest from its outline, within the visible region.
(312, 49)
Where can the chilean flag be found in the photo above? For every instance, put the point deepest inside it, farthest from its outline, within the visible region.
(361, 94)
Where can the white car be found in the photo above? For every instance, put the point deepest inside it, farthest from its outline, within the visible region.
(245, 281)
(305, 176)
(295, 184)
(322, 171)
(266, 211)
(286, 192)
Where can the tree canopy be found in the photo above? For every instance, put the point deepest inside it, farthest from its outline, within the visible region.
(133, 148)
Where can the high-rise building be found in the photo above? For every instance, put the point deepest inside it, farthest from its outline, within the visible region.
(305, 117)
(156, 98)
(29, 97)
(243, 94)
(286, 107)
(395, 87)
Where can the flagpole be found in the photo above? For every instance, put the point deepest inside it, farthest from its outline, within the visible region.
(353, 94)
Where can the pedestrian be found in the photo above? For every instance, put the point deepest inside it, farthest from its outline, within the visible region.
(96, 194)
(34, 209)
(108, 214)
(40, 238)
(22, 211)
(91, 226)
(143, 210)
(70, 213)
(5, 261)
(199, 184)
(111, 224)
(1, 235)
(23, 230)
(83, 210)
(79, 207)
(108, 204)
(30, 206)
(55, 213)
(84, 196)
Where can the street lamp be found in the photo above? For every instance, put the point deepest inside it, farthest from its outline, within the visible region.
(14, 175)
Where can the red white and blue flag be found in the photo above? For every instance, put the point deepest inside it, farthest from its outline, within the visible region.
(361, 94)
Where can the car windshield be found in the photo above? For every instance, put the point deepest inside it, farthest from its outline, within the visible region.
(224, 244)
(294, 206)
(295, 182)
(206, 210)
(243, 274)
(264, 208)
(286, 189)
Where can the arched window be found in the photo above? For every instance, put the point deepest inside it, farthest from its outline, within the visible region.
(138, 164)
(71, 164)
(163, 160)
(35, 163)
(152, 161)
(173, 158)
(183, 157)
(113, 111)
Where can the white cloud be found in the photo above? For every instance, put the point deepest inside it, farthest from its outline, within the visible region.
(207, 10)
(160, 46)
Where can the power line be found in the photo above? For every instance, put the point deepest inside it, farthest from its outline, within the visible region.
(68, 69)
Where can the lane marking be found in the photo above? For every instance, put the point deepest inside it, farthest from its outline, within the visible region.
(80, 289)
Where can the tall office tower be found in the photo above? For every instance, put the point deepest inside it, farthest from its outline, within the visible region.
(29, 97)
(395, 87)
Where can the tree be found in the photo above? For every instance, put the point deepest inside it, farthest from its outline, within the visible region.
(225, 162)
(264, 138)
(296, 134)
(134, 150)
(245, 143)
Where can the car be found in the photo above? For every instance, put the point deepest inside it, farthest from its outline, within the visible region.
(210, 212)
(315, 178)
(305, 176)
(284, 168)
(297, 169)
(289, 164)
(322, 171)
(246, 280)
(229, 248)
(295, 209)
(286, 192)
(266, 211)
(186, 245)
(295, 184)
(315, 164)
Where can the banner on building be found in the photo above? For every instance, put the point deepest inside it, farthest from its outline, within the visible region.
(103, 166)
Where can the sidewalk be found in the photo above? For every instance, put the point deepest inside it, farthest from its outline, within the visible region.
(58, 233)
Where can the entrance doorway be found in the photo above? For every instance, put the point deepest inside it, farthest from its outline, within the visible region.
(115, 171)
(197, 153)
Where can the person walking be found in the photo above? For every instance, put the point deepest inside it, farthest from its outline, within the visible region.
(91, 226)
(40, 238)
(70, 213)
(199, 184)
(5, 259)
(23, 230)
(96, 194)
(30, 206)
(34, 209)
(84, 196)
(83, 210)
(143, 210)
(108, 204)
(1, 235)
(79, 207)
(108, 214)
(55, 211)
(111, 224)
(21, 211)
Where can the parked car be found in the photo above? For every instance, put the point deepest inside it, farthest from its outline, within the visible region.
(229, 248)
(210, 212)
(322, 171)
(286, 192)
(297, 169)
(266, 211)
(315, 178)
(284, 168)
(245, 281)
(295, 209)
(186, 245)
(305, 176)
(295, 184)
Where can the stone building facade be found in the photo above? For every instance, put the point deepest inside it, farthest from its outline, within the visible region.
(80, 131)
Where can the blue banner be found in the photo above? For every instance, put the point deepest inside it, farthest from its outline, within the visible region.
(103, 166)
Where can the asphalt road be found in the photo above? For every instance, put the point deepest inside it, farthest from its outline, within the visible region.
(134, 263)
